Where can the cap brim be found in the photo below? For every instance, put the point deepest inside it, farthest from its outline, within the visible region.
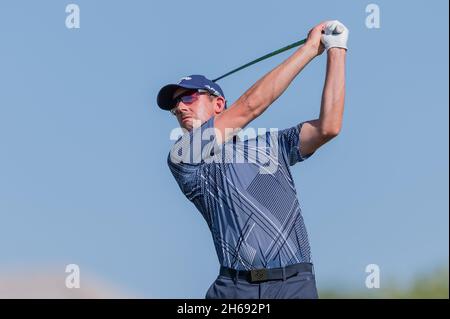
(165, 95)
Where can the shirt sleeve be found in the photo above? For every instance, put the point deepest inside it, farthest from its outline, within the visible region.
(188, 154)
(289, 143)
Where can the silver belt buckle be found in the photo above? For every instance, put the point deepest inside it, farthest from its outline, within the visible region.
(258, 275)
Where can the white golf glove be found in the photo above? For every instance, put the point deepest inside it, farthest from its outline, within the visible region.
(335, 35)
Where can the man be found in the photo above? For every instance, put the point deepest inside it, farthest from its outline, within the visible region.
(251, 205)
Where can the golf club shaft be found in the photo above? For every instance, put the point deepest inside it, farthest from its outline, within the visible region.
(293, 45)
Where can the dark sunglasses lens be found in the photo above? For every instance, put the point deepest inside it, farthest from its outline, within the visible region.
(188, 98)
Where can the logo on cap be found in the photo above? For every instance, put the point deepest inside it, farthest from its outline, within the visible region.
(213, 90)
(186, 78)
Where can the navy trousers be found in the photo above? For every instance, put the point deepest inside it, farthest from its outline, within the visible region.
(300, 286)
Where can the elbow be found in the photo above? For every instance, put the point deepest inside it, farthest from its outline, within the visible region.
(330, 127)
(330, 132)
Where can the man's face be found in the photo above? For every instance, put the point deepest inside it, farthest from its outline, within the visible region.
(197, 112)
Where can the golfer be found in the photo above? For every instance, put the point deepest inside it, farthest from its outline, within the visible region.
(243, 187)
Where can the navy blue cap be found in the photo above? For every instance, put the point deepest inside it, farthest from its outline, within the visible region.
(165, 95)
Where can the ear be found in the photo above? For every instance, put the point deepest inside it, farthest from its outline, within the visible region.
(219, 105)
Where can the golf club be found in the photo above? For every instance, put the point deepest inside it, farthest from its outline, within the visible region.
(271, 54)
(337, 30)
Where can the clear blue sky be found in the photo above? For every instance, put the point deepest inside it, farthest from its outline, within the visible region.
(83, 145)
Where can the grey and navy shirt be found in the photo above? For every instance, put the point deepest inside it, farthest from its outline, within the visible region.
(245, 192)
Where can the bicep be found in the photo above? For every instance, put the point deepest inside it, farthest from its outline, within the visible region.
(311, 137)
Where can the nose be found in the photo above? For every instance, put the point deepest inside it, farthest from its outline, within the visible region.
(181, 108)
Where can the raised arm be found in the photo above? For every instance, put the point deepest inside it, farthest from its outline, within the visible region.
(317, 132)
(267, 89)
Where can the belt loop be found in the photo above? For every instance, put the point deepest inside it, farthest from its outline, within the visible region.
(283, 270)
(236, 277)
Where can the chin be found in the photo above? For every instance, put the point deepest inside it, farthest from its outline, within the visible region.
(187, 126)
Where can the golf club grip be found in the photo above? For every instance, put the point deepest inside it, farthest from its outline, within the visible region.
(293, 45)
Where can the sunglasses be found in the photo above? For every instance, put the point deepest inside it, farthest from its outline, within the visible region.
(187, 98)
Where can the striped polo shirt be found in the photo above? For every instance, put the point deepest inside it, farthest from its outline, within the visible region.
(245, 191)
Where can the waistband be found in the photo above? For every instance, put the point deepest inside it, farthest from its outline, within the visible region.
(266, 274)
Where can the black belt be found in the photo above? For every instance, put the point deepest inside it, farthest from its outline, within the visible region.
(258, 275)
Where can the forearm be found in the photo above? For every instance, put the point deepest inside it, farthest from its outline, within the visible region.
(333, 96)
(267, 89)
